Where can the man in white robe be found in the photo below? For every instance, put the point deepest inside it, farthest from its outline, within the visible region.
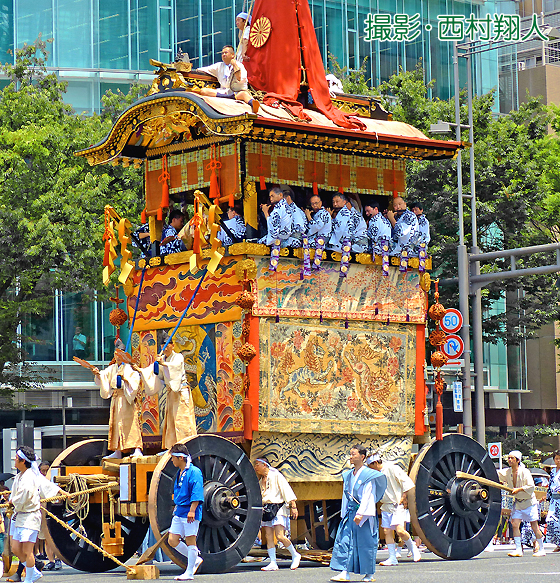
(179, 421)
(120, 383)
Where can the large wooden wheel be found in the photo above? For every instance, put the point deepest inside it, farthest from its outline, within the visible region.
(232, 508)
(455, 518)
(72, 550)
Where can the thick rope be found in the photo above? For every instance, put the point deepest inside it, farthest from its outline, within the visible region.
(79, 504)
(90, 542)
(65, 496)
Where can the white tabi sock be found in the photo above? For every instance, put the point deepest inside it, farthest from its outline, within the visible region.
(272, 555)
(291, 549)
(183, 549)
(517, 541)
(192, 555)
(409, 544)
(392, 551)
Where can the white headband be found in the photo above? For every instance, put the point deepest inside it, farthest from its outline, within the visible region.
(187, 457)
(516, 454)
(34, 465)
(259, 459)
(373, 458)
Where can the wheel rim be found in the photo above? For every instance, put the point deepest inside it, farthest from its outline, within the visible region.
(232, 508)
(456, 518)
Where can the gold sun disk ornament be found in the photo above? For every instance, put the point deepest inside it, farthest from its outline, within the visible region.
(260, 31)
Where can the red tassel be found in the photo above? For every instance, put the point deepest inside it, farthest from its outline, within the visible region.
(231, 200)
(144, 217)
(164, 179)
(106, 257)
(439, 419)
(247, 419)
(196, 242)
(341, 190)
(262, 183)
(315, 189)
(160, 214)
(214, 187)
(165, 195)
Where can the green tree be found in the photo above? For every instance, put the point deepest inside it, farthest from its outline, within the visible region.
(517, 196)
(51, 204)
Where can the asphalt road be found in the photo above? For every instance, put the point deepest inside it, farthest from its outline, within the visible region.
(495, 567)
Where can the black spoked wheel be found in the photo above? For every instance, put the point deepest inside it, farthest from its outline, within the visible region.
(455, 518)
(74, 551)
(232, 508)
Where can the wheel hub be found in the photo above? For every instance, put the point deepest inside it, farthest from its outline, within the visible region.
(220, 503)
(466, 496)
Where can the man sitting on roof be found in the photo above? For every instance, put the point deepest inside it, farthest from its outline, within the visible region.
(278, 219)
(405, 228)
(233, 229)
(232, 77)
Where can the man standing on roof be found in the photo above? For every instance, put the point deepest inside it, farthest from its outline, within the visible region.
(232, 76)
(243, 23)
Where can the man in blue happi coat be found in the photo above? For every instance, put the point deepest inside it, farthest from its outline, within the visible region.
(188, 496)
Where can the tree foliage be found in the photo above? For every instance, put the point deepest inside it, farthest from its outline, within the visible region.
(517, 197)
(51, 203)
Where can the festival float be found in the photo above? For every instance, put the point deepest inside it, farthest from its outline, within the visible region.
(292, 354)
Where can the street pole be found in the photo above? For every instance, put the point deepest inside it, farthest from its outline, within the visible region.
(463, 264)
(64, 420)
(478, 356)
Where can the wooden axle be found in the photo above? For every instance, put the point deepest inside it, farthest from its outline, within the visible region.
(483, 481)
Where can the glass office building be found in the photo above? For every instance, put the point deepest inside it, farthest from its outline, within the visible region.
(106, 44)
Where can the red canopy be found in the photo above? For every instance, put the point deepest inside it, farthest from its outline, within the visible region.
(282, 33)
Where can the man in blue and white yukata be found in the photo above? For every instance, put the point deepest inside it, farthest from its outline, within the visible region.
(355, 547)
(348, 225)
(188, 496)
(170, 241)
(319, 223)
(379, 229)
(234, 224)
(299, 220)
(278, 219)
(423, 236)
(405, 228)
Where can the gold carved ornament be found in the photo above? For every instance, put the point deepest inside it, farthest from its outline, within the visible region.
(215, 255)
(260, 31)
(114, 220)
